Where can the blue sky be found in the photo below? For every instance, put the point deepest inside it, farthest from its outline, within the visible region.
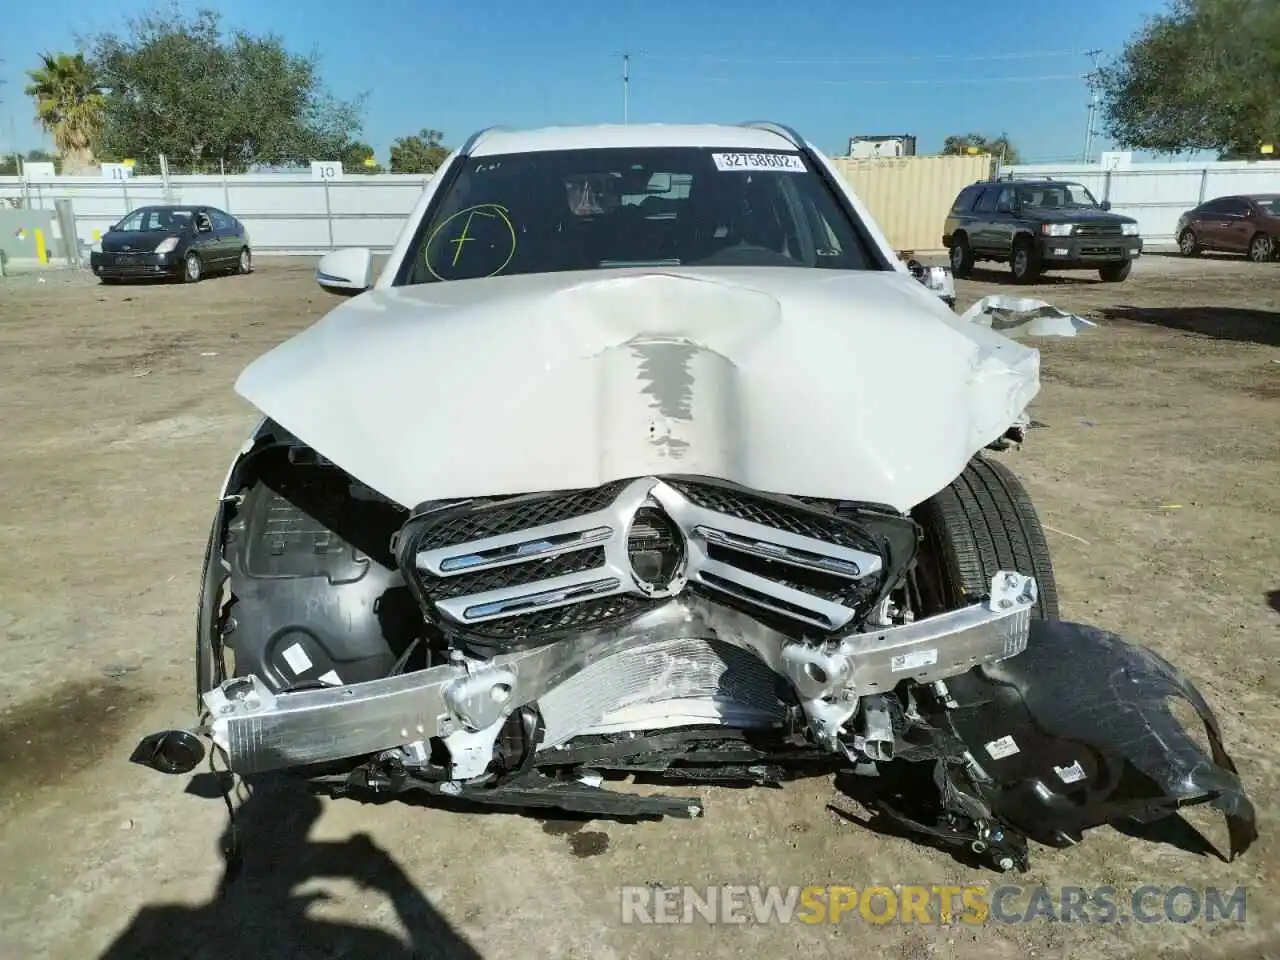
(830, 68)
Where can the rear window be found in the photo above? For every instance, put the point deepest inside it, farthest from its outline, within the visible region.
(561, 210)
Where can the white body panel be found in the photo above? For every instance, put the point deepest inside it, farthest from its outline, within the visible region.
(853, 385)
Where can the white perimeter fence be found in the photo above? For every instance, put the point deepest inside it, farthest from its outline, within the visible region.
(1156, 194)
(283, 213)
(294, 214)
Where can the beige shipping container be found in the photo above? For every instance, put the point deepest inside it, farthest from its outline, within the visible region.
(910, 196)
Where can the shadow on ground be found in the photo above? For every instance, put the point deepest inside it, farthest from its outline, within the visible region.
(1206, 255)
(1221, 323)
(1273, 598)
(1003, 276)
(258, 911)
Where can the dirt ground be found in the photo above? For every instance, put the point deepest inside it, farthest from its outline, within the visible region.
(1156, 468)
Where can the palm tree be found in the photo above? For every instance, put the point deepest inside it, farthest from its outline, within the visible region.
(69, 105)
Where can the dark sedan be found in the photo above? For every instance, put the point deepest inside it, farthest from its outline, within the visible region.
(1248, 224)
(172, 241)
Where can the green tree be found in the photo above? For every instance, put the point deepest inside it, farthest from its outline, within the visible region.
(419, 153)
(1000, 147)
(1205, 75)
(176, 85)
(359, 158)
(69, 106)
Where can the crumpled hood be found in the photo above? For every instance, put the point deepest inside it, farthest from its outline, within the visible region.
(850, 385)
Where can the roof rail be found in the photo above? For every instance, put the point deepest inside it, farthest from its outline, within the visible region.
(778, 128)
(475, 138)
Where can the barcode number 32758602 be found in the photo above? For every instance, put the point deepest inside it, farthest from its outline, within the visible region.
(787, 162)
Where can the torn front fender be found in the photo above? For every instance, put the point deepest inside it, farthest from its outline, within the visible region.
(1076, 732)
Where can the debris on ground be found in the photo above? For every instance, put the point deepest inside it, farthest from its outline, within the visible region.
(1020, 317)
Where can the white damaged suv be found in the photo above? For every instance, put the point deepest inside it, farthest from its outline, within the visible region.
(645, 456)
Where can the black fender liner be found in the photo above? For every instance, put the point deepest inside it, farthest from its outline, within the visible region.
(1076, 732)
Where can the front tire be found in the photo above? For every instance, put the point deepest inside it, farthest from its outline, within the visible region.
(1024, 262)
(980, 524)
(192, 269)
(1115, 272)
(246, 261)
(1189, 243)
(961, 256)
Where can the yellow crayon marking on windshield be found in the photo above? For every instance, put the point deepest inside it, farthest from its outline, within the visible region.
(463, 238)
(490, 210)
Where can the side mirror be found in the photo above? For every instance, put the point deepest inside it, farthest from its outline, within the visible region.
(346, 272)
(1105, 205)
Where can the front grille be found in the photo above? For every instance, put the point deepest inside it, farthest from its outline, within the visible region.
(1102, 251)
(469, 523)
(801, 520)
(1098, 230)
(530, 567)
(521, 574)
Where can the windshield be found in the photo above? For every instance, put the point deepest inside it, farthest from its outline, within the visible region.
(554, 211)
(1268, 205)
(151, 219)
(1056, 196)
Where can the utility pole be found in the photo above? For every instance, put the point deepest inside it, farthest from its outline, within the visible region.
(626, 88)
(12, 138)
(1092, 78)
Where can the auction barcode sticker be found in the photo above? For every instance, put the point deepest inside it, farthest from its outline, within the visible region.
(785, 162)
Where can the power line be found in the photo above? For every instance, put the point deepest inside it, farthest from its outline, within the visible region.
(884, 83)
(844, 61)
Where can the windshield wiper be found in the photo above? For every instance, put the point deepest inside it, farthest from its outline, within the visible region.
(640, 263)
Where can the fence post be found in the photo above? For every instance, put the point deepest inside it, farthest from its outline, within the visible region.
(1106, 185)
(328, 212)
(124, 191)
(165, 186)
(226, 190)
(1204, 184)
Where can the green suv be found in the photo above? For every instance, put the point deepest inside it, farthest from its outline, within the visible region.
(1039, 225)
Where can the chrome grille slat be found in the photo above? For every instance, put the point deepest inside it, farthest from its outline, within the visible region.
(791, 556)
(551, 595)
(821, 613)
(461, 607)
(768, 568)
(492, 552)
